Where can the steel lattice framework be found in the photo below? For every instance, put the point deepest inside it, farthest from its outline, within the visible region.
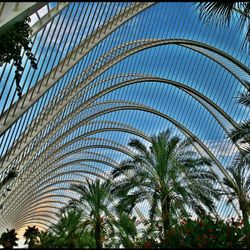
(108, 72)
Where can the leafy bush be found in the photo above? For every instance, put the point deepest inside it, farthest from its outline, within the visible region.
(208, 233)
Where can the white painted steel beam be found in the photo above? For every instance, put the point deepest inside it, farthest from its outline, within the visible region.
(12, 12)
(73, 58)
(47, 17)
(145, 44)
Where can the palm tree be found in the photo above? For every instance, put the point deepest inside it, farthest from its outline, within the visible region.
(125, 229)
(223, 12)
(239, 187)
(69, 229)
(30, 235)
(95, 198)
(241, 135)
(8, 239)
(46, 240)
(169, 174)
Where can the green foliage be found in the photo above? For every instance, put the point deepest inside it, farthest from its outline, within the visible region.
(207, 233)
(239, 187)
(69, 232)
(241, 135)
(8, 239)
(31, 236)
(223, 12)
(95, 198)
(168, 174)
(11, 44)
(125, 231)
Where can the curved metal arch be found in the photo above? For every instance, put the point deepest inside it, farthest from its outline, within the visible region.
(36, 219)
(45, 189)
(153, 43)
(48, 196)
(126, 83)
(190, 91)
(178, 85)
(44, 20)
(126, 129)
(51, 184)
(116, 147)
(226, 67)
(52, 201)
(61, 166)
(35, 214)
(47, 209)
(39, 224)
(41, 172)
(70, 171)
(47, 181)
(185, 131)
(119, 149)
(178, 42)
(101, 161)
(181, 86)
(82, 149)
(180, 126)
(84, 138)
(30, 212)
(96, 37)
(40, 194)
(142, 109)
(149, 78)
(61, 188)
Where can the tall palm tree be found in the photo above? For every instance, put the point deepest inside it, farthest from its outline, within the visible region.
(69, 229)
(241, 135)
(46, 240)
(30, 235)
(239, 187)
(169, 174)
(8, 239)
(223, 12)
(125, 230)
(95, 198)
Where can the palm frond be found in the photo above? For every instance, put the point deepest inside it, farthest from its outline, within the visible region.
(223, 12)
(218, 11)
(242, 131)
(244, 98)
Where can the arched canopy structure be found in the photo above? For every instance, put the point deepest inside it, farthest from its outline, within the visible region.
(108, 72)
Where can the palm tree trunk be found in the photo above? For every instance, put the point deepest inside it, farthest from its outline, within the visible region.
(98, 233)
(165, 204)
(243, 208)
